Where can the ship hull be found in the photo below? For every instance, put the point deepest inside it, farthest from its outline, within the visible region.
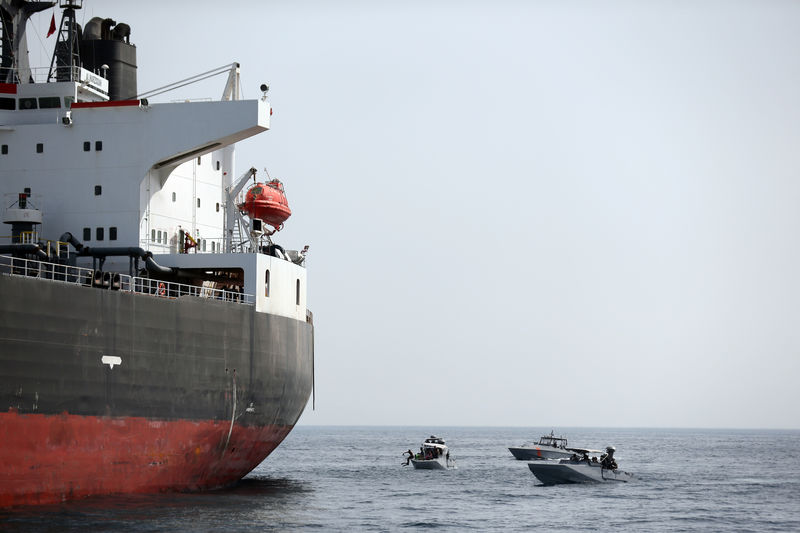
(53, 458)
(113, 392)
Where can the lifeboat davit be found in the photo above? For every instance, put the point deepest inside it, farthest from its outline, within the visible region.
(267, 201)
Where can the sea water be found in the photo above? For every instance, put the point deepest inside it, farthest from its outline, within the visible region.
(352, 478)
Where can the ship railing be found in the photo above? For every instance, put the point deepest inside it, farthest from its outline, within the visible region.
(17, 266)
(168, 289)
(42, 74)
(204, 246)
(86, 277)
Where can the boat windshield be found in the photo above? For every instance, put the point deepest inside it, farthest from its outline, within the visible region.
(556, 442)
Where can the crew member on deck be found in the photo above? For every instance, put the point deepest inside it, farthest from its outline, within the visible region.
(607, 459)
(410, 456)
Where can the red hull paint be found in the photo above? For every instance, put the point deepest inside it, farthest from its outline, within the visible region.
(53, 458)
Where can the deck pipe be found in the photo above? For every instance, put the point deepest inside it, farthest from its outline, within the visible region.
(24, 249)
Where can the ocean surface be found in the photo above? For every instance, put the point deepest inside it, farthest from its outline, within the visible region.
(351, 478)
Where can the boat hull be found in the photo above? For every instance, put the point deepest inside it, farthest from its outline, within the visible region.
(555, 473)
(109, 392)
(530, 453)
(430, 464)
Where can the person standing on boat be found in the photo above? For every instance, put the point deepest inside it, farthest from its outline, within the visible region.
(410, 456)
(607, 459)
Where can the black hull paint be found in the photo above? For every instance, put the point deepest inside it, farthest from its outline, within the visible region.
(181, 359)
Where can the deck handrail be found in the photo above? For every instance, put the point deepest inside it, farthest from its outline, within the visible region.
(86, 277)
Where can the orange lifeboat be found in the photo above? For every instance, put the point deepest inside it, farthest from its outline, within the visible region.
(267, 201)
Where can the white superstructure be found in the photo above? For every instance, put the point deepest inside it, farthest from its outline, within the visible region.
(128, 173)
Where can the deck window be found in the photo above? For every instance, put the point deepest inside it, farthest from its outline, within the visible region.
(217, 207)
(98, 145)
(27, 103)
(87, 234)
(174, 196)
(99, 234)
(266, 283)
(4, 149)
(217, 161)
(198, 202)
(8, 103)
(87, 146)
(152, 235)
(112, 233)
(158, 240)
(49, 102)
(198, 160)
(98, 190)
(39, 148)
(297, 293)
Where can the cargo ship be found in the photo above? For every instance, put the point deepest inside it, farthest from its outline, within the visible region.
(153, 335)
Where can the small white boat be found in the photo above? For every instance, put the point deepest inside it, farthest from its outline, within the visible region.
(548, 447)
(434, 455)
(579, 470)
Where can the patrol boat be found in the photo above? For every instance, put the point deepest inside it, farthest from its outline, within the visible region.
(548, 447)
(434, 455)
(579, 470)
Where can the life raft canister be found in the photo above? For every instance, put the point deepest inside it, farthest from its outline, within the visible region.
(267, 201)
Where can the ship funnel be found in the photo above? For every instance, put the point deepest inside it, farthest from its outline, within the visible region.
(106, 49)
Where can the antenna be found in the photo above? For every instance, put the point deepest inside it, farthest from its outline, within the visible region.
(66, 54)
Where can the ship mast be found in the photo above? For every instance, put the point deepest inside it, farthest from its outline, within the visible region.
(14, 15)
(66, 54)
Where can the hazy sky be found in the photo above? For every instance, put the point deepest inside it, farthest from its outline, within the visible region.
(554, 213)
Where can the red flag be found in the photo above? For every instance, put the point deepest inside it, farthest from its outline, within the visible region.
(52, 29)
